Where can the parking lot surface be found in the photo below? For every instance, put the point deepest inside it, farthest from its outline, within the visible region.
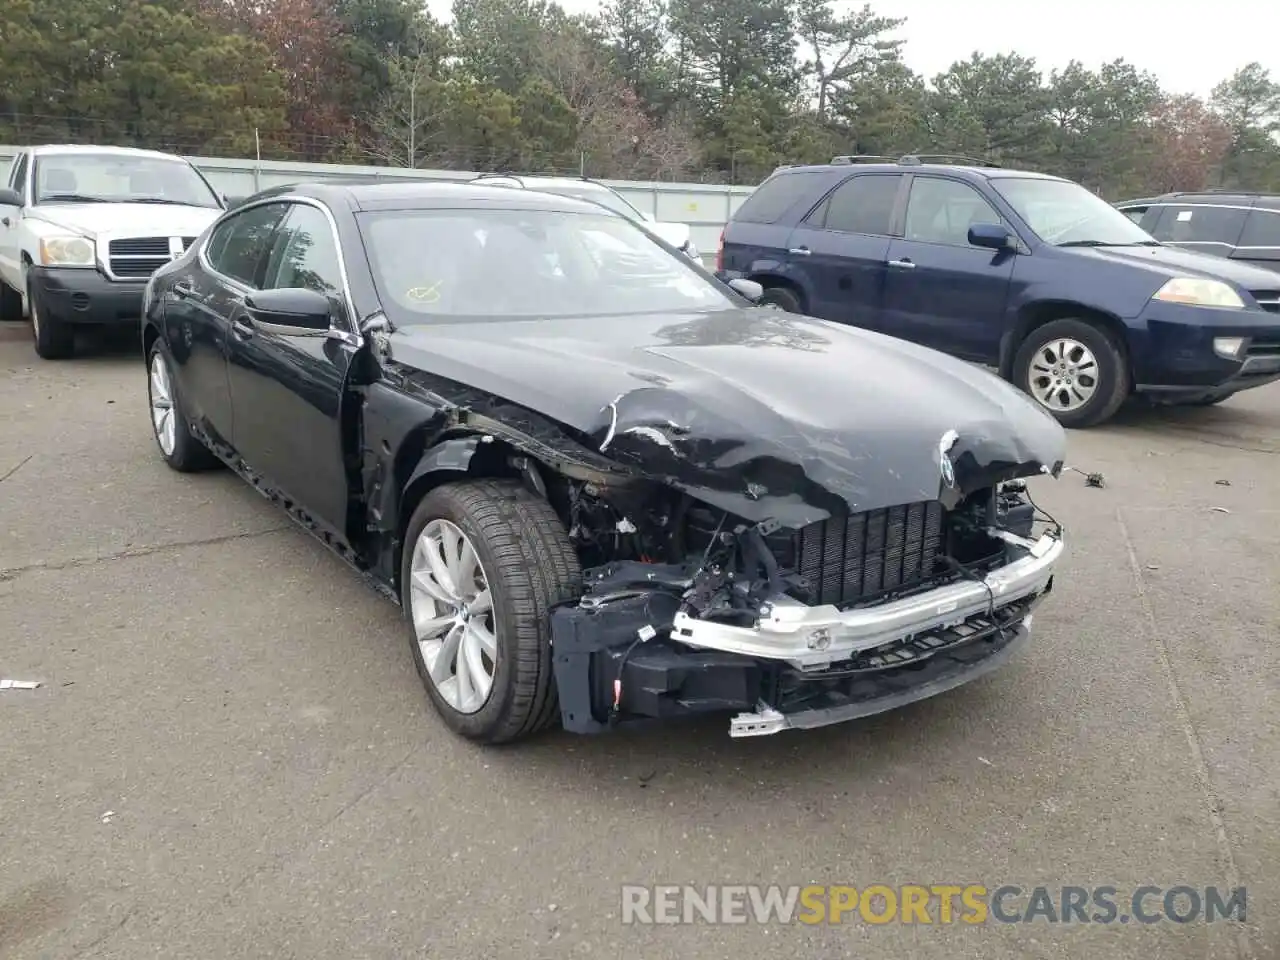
(230, 754)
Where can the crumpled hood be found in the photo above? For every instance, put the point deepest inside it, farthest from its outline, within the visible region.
(1176, 262)
(763, 413)
(127, 219)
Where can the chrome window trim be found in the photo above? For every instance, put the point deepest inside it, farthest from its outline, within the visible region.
(349, 336)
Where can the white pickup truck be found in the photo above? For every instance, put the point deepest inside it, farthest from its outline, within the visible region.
(83, 228)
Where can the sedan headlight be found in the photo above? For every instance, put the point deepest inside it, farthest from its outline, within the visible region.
(66, 252)
(1199, 293)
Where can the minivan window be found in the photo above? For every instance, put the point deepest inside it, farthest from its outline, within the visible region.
(942, 211)
(1199, 223)
(863, 204)
(772, 199)
(1066, 214)
(1261, 229)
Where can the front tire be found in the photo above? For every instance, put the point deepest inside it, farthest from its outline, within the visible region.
(54, 339)
(483, 563)
(1075, 370)
(181, 451)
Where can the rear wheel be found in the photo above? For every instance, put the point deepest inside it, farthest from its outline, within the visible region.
(784, 298)
(181, 451)
(483, 563)
(1075, 370)
(54, 339)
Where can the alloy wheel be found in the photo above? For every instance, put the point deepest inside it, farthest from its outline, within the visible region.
(162, 411)
(1063, 375)
(452, 611)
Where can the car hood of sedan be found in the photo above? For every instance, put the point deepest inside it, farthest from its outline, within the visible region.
(763, 413)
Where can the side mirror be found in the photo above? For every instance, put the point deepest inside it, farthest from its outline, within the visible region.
(747, 288)
(295, 310)
(991, 235)
(10, 198)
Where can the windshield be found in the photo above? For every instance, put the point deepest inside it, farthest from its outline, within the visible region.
(606, 198)
(434, 266)
(1066, 214)
(119, 178)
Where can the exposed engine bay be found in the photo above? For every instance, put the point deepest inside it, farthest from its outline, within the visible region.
(687, 609)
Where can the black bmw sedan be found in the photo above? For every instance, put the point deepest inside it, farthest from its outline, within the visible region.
(604, 486)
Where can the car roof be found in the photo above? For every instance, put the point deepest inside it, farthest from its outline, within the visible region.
(423, 194)
(1262, 201)
(903, 166)
(70, 149)
(541, 181)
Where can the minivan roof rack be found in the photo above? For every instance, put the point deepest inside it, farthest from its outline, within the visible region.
(504, 176)
(914, 159)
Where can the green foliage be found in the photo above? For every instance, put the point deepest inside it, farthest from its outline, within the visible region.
(704, 89)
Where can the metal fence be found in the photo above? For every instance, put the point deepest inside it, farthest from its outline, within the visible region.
(705, 207)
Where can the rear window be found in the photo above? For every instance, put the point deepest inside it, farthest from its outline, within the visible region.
(1261, 229)
(773, 198)
(1194, 223)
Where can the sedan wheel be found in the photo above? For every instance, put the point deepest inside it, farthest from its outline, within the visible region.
(452, 612)
(484, 563)
(162, 414)
(180, 449)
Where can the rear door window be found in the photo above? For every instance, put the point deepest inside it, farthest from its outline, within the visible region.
(773, 198)
(1261, 229)
(862, 204)
(1218, 227)
(1135, 213)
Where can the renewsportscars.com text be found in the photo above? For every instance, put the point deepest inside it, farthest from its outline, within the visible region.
(929, 904)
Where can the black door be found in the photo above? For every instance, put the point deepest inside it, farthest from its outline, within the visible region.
(287, 388)
(197, 312)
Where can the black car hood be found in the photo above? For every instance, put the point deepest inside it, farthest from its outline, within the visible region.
(1176, 262)
(766, 414)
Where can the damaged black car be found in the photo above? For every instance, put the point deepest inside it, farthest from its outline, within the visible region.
(605, 487)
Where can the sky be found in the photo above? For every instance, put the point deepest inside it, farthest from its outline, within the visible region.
(1189, 54)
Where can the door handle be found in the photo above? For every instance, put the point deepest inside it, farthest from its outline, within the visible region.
(903, 264)
(242, 328)
(799, 251)
(184, 291)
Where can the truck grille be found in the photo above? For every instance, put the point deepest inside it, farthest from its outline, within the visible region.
(846, 560)
(140, 257)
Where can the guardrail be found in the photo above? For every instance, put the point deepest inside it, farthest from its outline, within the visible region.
(705, 207)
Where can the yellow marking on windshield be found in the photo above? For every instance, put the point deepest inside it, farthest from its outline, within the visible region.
(430, 294)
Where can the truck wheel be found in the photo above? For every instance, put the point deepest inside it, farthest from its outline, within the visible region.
(1075, 370)
(483, 563)
(10, 303)
(54, 339)
(784, 298)
(180, 449)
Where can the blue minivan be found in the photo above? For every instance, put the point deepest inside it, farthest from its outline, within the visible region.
(1031, 274)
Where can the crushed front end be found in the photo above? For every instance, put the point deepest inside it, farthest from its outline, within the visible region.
(783, 628)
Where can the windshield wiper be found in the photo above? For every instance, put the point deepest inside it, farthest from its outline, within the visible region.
(74, 198)
(1105, 243)
(180, 203)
